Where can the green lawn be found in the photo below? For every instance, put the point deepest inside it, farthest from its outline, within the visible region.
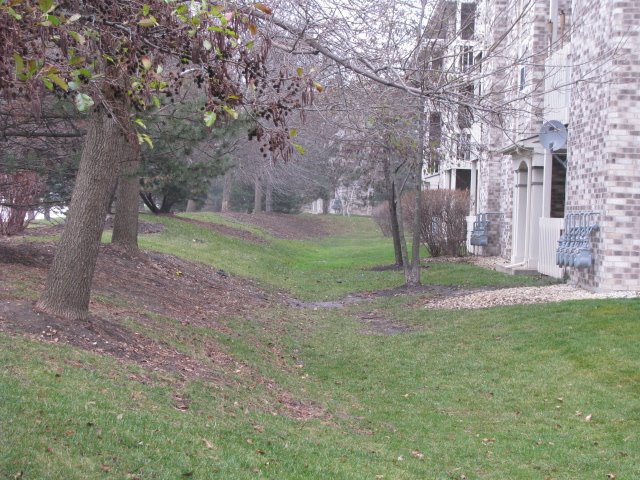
(524, 392)
(312, 270)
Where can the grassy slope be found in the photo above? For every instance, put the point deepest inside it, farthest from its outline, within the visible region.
(321, 269)
(483, 394)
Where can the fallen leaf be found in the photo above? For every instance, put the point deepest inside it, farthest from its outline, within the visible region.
(207, 443)
(249, 441)
(588, 417)
(611, 476)
(417, 454)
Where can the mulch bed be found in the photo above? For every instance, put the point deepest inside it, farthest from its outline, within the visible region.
(126, 290)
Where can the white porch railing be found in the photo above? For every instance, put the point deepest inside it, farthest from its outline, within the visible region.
(550, 230)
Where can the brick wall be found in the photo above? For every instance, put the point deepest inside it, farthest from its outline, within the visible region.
(604, 164)
(529, 40)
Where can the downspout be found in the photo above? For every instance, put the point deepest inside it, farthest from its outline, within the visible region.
(553, 18)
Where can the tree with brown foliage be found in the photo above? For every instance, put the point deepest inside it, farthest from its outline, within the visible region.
(113, 59)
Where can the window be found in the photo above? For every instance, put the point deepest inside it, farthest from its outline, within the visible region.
(463, 153)
(466, 58)
(467, 20)
(435, 138)
(465, 116)
(435, 130)
(478, 63)
(437, 62)
(522, 78)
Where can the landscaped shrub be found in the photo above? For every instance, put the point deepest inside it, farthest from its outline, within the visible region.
(19, 193)
(443, 227)
(380, 215)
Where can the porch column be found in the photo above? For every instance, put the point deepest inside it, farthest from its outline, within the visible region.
(535, 212)
(473, 193)
(520, 203)
(546, 188)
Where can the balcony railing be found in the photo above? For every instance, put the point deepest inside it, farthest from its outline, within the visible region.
(558, 85)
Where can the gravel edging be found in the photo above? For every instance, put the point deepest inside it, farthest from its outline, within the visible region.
(518, 295)
(521, 296)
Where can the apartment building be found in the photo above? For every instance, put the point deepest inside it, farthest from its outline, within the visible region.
(453, 42)
(572, 210)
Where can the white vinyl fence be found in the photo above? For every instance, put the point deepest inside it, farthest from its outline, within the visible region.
(550, 231)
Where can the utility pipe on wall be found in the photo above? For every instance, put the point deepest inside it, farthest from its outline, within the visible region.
(553, 18)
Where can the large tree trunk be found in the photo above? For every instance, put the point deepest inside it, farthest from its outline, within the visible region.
(68, 284)
(167, 204)
(257, 199)
(403, 241)
(268, 197)
(325, 205)
(393, 209)
(413, 278)
(226, 191)
(147, 198)
(125, 222)
(191, 206)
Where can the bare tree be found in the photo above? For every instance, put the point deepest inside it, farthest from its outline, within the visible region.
(454, 61)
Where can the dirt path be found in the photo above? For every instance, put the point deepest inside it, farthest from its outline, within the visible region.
(435, 290)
